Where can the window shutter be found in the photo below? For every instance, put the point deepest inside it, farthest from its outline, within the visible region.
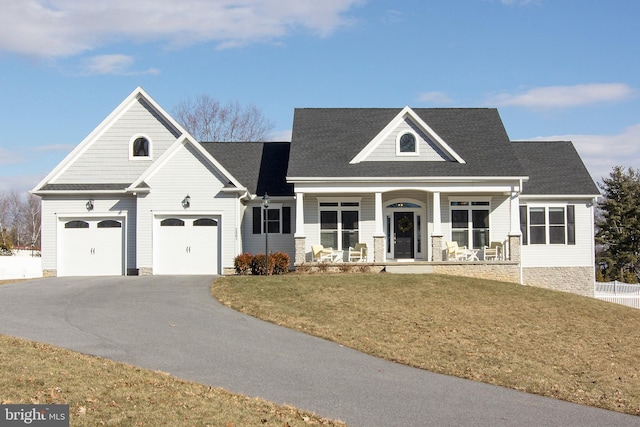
(571, 225)
(523, 224)
(286, 220)
(257, 220)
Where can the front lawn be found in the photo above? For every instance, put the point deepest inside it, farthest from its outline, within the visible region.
(539, 341)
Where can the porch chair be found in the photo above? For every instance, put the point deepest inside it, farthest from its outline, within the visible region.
(493, 251)
(358, 253)
(457, 253)
(321, 254)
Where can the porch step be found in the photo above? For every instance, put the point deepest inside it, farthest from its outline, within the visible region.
(409, 268)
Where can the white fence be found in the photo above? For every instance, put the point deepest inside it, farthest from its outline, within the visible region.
(20, 267)
(618, 292)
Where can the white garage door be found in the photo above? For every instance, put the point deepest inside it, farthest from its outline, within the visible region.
(186, 245)
(91, 247)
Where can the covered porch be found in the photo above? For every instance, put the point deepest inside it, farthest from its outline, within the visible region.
(409, 224)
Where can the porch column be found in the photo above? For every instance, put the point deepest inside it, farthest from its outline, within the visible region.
(378, 232)
(514, 232)
(436, 236)
(299, 236)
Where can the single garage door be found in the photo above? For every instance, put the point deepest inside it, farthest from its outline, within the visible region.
(91, 247)
(186, 245)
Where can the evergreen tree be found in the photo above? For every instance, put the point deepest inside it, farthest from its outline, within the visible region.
(618, 226)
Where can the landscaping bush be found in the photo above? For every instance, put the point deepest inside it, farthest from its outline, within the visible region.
(278, 264)
(242, 263)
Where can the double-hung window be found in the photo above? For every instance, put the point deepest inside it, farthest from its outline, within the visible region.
(470, 223)
(276, 219)
(542, 225)
(339, 223)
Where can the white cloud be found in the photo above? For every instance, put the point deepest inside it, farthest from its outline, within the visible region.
(58, 28)
(112, 64)
(54, 147)
(8, 157)
(601, 153)
(552, 97)
(18, 183)
(435, 98)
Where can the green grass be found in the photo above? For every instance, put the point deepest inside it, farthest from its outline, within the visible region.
(550, 343)
(101, 392)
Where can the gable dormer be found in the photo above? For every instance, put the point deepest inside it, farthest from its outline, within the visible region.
(407, 138)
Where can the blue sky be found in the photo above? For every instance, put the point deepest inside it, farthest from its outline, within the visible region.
(562, 70)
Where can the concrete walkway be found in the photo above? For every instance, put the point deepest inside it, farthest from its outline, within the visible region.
(172, 324)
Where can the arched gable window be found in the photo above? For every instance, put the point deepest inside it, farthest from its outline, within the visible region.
(140, 148)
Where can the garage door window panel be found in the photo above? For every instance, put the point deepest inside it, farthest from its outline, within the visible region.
(172, 222)
(205, 222)
(76, 224)
(109, 223)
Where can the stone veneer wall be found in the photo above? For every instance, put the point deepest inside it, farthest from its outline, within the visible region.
(502, 271)
(145, 271)
(577, 280)
(378, 249)
(300, 256)
(436, 248)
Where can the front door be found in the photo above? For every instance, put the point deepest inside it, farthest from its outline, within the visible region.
(404, 232)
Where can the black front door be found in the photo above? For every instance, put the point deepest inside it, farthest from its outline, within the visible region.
(404, 232)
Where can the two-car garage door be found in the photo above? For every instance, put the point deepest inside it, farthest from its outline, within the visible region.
(181, 245)
(186, 245)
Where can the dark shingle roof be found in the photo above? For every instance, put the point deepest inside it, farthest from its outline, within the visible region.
(554, 168)
(324, 140)
(260, 166)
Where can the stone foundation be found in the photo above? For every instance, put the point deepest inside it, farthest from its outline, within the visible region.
(49, 273)
(577, 280)
(145, 271)
(501, 271)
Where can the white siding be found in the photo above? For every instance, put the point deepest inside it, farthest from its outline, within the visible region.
(427, 150)
(579, 255)
(187, 173)
(278, 242)
(107, 159)
(54, 207)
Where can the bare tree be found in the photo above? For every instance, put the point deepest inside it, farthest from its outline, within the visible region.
(31, 220)
(207, 120)
(20, 219)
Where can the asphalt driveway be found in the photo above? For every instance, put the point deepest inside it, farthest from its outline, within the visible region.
(172, 324)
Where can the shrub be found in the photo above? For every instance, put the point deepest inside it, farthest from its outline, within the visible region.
(242, 263)
(278, 263)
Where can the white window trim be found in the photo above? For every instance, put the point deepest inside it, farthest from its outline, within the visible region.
(140, 158)
(409, 154)
(547, 207)
(272, 206)
(339, 209)
(469, 208)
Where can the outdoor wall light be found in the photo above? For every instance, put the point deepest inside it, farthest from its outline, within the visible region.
(186, 202)
(89, 205)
